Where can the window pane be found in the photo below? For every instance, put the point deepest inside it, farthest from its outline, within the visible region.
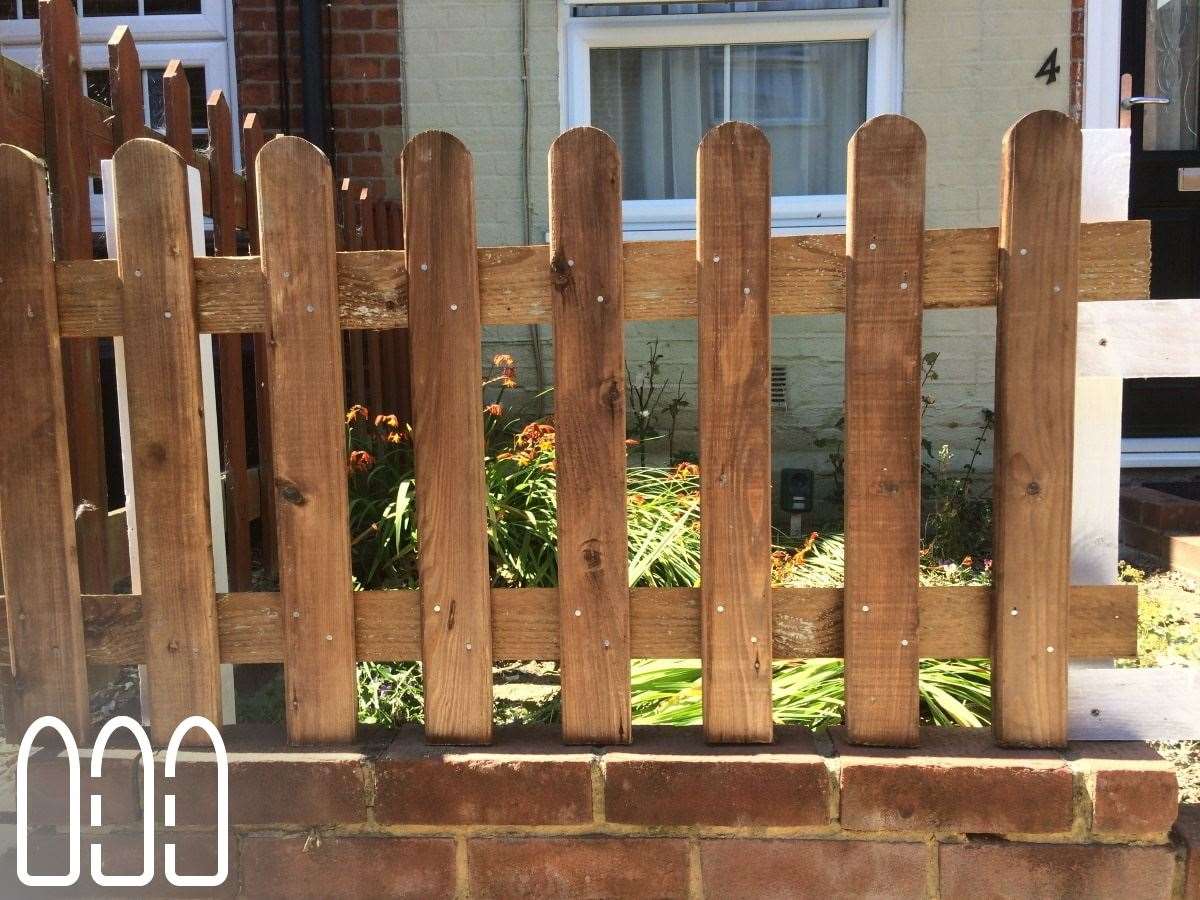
(171, 7)
(691, 9)
(8, 9)
(29, 9)
(196, 87)
(110, 7)
(657, 104)
(808, 99)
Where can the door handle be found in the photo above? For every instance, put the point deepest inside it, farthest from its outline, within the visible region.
(1131, 102)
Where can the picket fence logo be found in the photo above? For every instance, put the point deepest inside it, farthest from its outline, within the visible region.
(97, 813)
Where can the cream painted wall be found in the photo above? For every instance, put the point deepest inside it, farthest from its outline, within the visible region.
(968, 75)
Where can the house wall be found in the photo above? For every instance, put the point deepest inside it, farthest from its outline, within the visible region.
(968, 75)
(364, 80)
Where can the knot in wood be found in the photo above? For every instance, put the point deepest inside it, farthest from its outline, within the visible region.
(560, 272)
(291, 494)
(592, 557)
(889, 487)
(1033, 489)
(173, 646)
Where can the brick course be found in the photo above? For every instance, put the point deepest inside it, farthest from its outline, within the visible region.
(578, 868)
(363, 77)
(997, 871)
(956, 782)
(666, 817)
(816, 869)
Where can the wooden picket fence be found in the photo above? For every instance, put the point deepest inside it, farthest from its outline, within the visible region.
(48, 114)
(299, 293)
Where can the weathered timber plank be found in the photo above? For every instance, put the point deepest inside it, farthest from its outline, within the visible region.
(225, 189)
(733, 191)
(37, 528)
(71, 191)
(21, 107)
(1035, 403)
(296, 234)
(125, 86)
(439, 222)
(589, 417)
(807, 278)
(252, 143)
(664, 624)
(884, 224)
(162, 371)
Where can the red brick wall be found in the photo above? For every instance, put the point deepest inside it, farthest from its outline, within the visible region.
(364, 77)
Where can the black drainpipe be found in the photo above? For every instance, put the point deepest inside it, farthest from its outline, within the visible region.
(312, 74)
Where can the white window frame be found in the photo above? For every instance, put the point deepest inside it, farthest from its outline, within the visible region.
(211, 23)
(880, 27)
(213, 56)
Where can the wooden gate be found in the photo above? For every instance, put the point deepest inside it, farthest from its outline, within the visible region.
(299, 292)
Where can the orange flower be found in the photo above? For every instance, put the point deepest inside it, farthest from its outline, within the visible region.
(502, 359)
(686, 470)
(356, 413)
(494, 409)
(395, 437)
(390, 421)
(361, 461)
(508, 376)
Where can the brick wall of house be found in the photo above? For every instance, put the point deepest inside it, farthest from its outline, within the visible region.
(808, 816)
(364, 80)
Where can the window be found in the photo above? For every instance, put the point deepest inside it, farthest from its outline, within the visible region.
(193, 31)
(657, 76)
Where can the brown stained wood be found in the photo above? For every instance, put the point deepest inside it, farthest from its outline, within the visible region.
(733, 198)
(885, 223)
(807, 278)
(389, 377)
(177, 108)
(125, 86)
(1035, 403)
(225, 189)
(452, 557)
(956, 622)
(37, 528)
(21, 122)
(589, 420)
(296, 228)
(355, 340)
(372, 344)
(162, 370)
(70, 189)
(252, 143)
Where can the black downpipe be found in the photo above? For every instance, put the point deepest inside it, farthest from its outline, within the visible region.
(281, 55)
(312, 75)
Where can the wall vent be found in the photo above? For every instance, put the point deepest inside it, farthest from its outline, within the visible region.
(779, 387)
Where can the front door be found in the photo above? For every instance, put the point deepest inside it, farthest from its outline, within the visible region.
(1160, 49)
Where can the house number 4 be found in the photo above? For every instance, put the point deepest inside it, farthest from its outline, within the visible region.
(1050, 68)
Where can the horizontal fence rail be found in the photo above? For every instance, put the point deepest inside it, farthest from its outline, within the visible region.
(808, 277)
(298, 293)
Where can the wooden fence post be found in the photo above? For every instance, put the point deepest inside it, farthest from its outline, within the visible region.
(298, 247)
(443, 309)
(733, 194)
(125, 86)
(352, 240)
(37, 529)
(1035, 396)
(70, 186)
(252, 143)
(885, 239)
(373, 344)
(162, 369)
(223, 187)
(589, 417)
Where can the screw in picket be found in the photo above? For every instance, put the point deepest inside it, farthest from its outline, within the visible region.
(600, 299)
(437, 607)
(310, 308)
(720, 609)
(167, 314)
(424, 267)
(866, 608)
(453, 307)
